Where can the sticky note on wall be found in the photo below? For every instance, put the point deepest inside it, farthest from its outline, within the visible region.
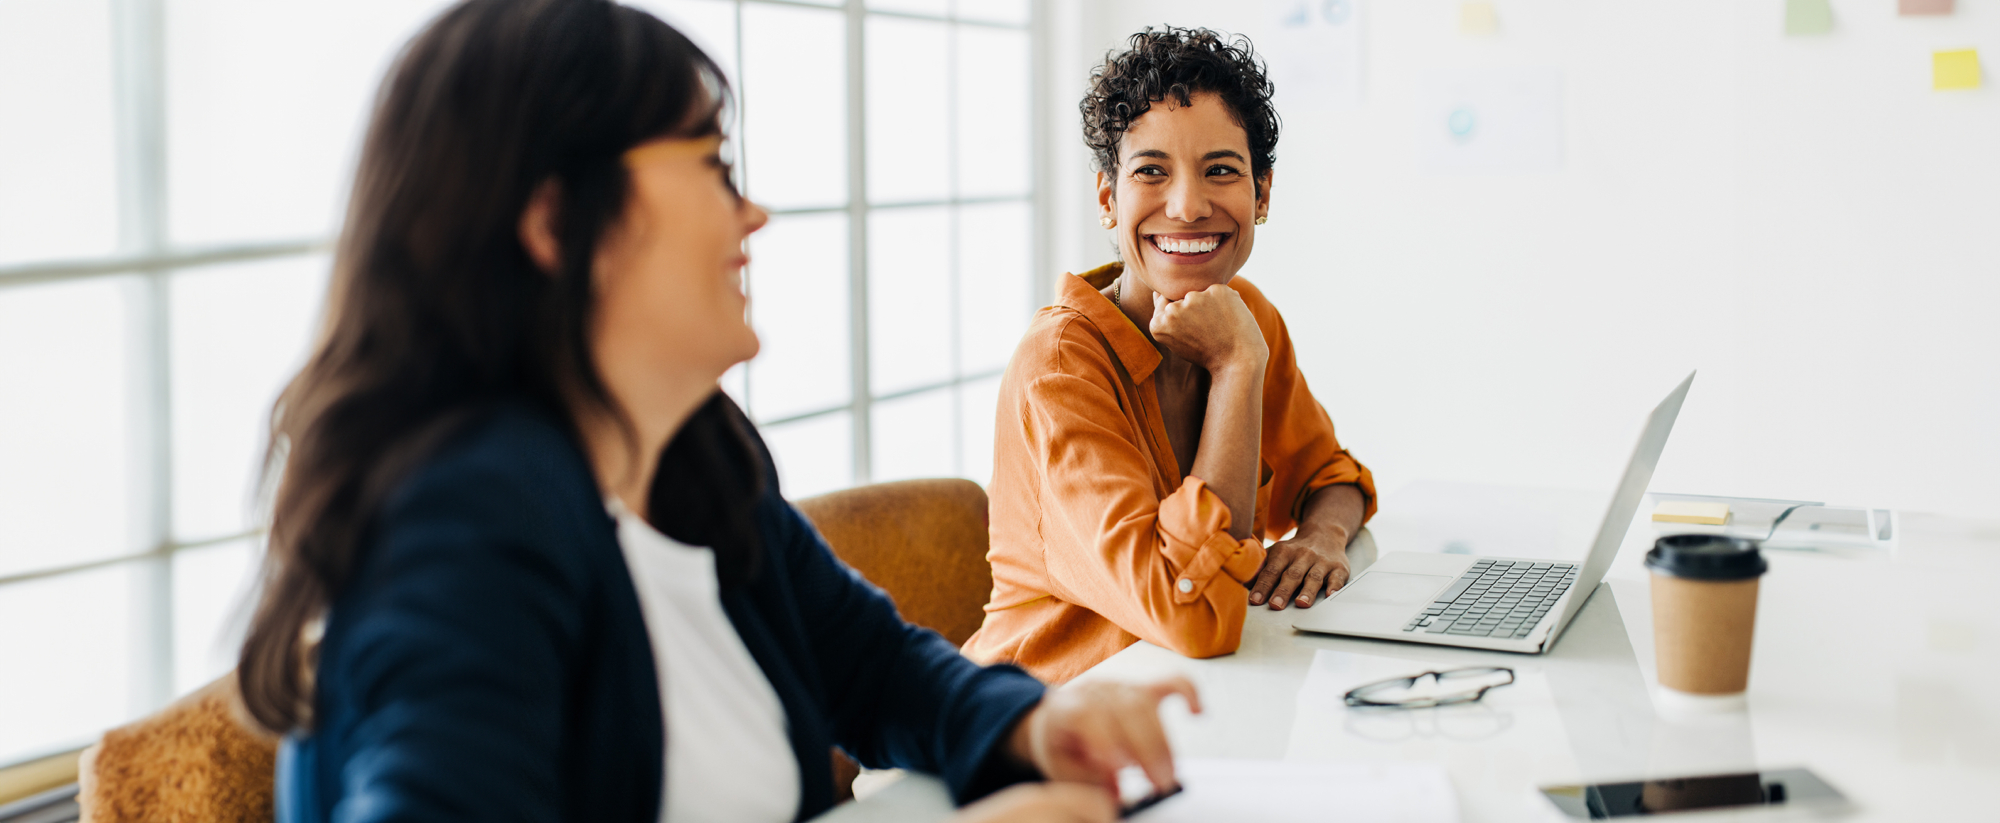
(1808, 17)
(1911, 8)
(1955, 69)
(1478, 18)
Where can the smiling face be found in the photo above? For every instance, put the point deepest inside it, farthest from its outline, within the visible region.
(1183, 196)
(670, 274)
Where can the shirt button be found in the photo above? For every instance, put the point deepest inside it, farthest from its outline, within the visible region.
(1186, 585)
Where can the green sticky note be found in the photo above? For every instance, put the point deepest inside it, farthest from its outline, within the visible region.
(1955, 69)
(1808, 17)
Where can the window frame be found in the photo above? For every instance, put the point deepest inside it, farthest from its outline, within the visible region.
(861, 393)
(144, 251)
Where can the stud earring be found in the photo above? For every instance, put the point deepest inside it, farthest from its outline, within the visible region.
(1107, 221)
(1261, 220)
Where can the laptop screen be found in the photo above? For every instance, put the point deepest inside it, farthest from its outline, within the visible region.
(1625, 503)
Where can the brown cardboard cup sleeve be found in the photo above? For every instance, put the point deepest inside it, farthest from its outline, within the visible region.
(1704, 612)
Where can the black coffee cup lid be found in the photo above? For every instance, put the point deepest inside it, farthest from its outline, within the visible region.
(1706, 557)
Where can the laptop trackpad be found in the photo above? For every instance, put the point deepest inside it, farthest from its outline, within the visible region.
(1393, 589)
(1380, 601)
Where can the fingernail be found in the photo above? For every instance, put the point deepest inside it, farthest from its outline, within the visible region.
(1256, 598)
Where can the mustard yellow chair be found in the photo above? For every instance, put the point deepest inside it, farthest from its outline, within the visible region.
(922, 541)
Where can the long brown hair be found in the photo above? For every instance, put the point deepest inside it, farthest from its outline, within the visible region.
(436, 311)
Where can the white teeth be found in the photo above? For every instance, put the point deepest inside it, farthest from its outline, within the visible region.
(1201, 245)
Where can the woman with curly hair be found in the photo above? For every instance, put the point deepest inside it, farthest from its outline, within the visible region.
(1153, 426)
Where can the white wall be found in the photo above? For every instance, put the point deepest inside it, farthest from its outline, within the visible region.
(1801, 219)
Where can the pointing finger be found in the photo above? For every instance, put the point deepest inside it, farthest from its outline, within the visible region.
(1146, 742)
(1178, 684)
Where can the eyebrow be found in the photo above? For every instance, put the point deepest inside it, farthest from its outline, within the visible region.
(1214, 155)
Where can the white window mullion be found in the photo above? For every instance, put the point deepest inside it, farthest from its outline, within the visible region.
(139, 35)
(857, 227)
(1042, 279)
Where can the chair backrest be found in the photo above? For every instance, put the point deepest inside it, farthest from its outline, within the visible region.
(922, 541)
(195, 760)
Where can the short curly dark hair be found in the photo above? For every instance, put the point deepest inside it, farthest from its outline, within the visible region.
(1180, 62)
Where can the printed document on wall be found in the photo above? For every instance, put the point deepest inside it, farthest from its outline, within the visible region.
(1474, 121)
(1313, 50)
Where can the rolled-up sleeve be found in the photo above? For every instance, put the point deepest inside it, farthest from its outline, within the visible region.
(1161, 567)
(1194, 527)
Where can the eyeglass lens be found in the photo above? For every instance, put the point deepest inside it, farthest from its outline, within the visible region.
(1457, 684)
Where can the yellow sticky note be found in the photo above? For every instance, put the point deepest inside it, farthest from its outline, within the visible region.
(1478, 18)
(1955, 69)
(1691, 511)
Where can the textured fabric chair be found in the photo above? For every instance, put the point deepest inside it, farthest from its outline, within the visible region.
(923, 542)
(196, 760)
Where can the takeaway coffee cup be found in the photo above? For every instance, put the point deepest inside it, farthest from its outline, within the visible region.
(1704, 612)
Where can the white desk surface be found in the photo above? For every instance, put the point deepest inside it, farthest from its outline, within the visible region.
(1878, 671)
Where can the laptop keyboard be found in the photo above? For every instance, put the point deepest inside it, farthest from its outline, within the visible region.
(1496, 598)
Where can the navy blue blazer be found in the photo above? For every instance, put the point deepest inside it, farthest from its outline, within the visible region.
(488, 660)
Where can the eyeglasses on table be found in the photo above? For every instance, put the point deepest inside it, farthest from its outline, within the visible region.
(1445, 688)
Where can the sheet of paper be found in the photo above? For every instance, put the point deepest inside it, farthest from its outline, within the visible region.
(1911, 8)
(1313, 49)
(1521, 718)
(1302, 792)
(1808, 17)
(1473, 121)
(1955, 69)
(1478, 18)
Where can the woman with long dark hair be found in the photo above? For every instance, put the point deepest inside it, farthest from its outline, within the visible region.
(526, 562)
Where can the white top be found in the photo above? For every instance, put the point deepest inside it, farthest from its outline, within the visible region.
(729, 756)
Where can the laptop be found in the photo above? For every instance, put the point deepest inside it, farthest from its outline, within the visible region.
(1505, 604)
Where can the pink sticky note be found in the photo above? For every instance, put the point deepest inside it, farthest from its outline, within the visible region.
(1910, 8)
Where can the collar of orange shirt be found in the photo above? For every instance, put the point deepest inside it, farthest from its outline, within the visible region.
(1132, 347)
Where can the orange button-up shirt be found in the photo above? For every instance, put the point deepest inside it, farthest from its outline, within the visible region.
(1097, 539)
